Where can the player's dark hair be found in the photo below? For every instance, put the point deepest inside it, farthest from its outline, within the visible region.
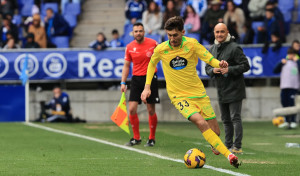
(138, 24)
(175, 22)
(291, 51)
(56, 87)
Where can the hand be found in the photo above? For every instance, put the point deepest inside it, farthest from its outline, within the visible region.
(283, 61)
(223, 64)
(220, 20)
(295, 59)
(123, 88)
(224, 70)
(99, 47)
(216, 70)
(146, 93)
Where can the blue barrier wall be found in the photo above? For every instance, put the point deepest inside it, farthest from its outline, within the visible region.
(12, 103)
(107, 65)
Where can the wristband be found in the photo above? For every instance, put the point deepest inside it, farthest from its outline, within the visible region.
(123, 83)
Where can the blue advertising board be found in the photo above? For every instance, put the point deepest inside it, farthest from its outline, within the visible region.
(107, 65)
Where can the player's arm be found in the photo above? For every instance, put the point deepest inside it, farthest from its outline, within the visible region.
(125, 71)
(150, 72)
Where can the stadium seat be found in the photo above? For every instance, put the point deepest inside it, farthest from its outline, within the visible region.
(53, 6)
(286, 5)
(71, 19)
(72, 9)
(26, 7)
(61, 41)
(17, 20)
(255, 25)
(127, 39)
(193, 35)
(155, 37)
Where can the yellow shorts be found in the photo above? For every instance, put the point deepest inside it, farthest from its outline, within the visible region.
(189, 106)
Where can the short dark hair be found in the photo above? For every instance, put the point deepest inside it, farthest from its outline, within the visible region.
(138, 24)
(175, 22)
(295, 41)
(291, 51)
(115, 31)
(50, 9)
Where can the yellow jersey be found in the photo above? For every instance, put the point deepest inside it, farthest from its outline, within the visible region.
(179, 66)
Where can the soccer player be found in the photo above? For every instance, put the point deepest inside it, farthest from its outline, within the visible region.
(139, 53)
(179, 56)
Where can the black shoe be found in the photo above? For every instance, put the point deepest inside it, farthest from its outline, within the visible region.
(133, 142)
(150, 143)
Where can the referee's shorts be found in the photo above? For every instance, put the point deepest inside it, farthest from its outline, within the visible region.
(137, 86)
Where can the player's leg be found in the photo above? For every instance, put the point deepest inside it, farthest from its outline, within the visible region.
(151, 101)
(211, 137)
(228, 125)
(152, 125)
(134, 121)
(235, 113)
(213, 124)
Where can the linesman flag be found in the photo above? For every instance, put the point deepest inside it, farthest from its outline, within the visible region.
(120, 116)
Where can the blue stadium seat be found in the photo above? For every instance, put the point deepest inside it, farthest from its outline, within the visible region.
(61, 41)
(71, 19)
(127, 39)
(72, 9)
(53, 6)
(128, 28)
(255, 25)
(193, 35)
(17, 20)
(155, 37)
(286, 5)
(26, 7)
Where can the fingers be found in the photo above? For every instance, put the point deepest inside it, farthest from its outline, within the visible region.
(143, 98)
(223, 64)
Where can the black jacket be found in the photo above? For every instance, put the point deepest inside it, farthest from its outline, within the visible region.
(231, 87)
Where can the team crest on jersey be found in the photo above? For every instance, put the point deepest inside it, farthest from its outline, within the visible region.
(178, 63)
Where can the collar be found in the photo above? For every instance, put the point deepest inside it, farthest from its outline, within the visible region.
(183, 40)
(226, 40)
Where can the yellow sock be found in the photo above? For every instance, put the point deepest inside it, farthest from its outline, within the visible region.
(214, 140)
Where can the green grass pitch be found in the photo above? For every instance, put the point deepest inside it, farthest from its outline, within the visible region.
(31, 151)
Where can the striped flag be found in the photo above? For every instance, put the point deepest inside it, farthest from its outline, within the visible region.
(120, 116)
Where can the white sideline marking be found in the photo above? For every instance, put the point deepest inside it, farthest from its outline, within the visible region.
(129, 148)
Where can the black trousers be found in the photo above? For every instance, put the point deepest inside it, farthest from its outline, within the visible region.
(231, 118)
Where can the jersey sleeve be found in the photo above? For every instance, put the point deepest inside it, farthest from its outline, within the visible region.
(127, 55)
(204, 55)
(155, 58)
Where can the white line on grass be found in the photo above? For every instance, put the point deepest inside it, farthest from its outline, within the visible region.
(129, 148)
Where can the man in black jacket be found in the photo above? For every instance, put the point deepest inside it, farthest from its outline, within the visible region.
(230, 84)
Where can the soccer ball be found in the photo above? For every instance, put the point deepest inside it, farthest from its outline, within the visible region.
(278, 120)
(194, 158)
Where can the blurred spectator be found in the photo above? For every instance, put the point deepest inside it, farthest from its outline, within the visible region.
(212, 16)
(257, 9)
(191, 20)
(170, 12)
(38, 31)
(8, 7)
(296, 46)
(100, 43)
(134, 10)
(200, 6)
(234, 18)
(55, 25)
(270, 32)
(180, 6)
(278, 15)
(289, 68)
(60, 108)
(30, 43)
(116, 41)
(249, 33)
(10, 42)
(7, 25)
(152, 19)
